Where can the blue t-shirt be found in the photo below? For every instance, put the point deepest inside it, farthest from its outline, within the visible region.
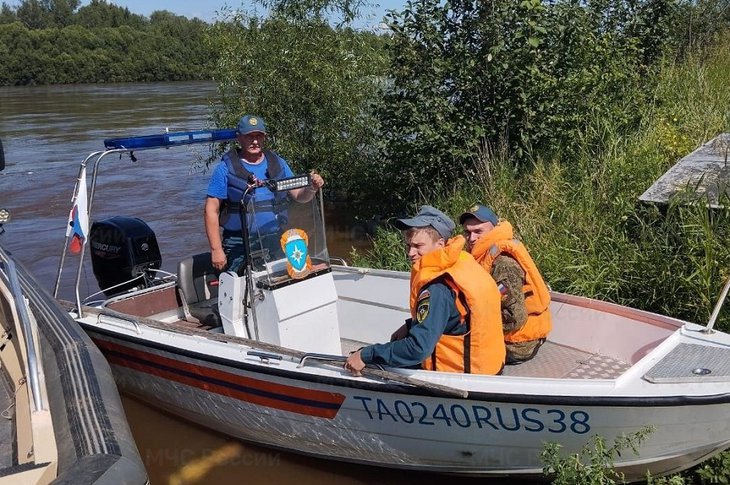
(438, 315)
(265, 221)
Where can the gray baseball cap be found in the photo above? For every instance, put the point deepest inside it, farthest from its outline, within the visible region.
(428, 216)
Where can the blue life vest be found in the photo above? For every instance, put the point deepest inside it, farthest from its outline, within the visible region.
(270, 207)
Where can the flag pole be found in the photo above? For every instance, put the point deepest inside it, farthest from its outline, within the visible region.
(74, 197)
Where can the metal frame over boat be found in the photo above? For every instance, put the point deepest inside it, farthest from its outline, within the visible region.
(259, 357)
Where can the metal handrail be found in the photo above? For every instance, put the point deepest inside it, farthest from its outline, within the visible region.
(718, 306)
(119, 146)
(79, 181)
(99, 155)
(29, 331)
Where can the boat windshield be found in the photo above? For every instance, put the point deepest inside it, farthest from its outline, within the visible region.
(286, 239)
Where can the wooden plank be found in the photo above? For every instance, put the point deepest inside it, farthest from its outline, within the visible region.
(703, 173)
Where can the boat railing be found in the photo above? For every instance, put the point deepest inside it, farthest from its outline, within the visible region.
(10, 275)
(121, 146)
(718, 307)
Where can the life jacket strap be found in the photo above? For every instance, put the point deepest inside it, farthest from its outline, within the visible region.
(273, 171)
(273, 165)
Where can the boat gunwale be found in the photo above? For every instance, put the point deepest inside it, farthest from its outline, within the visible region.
(96, 443)
(352, 383)
(642, 316)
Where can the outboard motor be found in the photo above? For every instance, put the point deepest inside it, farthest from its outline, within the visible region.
(122, 250)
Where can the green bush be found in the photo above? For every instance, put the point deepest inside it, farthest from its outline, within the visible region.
(388, 252)
(583, 224)
(593, 464)
(312, 83)
(530, 75)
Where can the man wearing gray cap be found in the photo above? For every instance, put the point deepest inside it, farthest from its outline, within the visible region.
(525, 296)
(455, 323)
(240, 168)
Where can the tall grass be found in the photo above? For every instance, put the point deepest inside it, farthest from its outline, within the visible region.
(583, 223)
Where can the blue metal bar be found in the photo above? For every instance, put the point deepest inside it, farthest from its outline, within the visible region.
(170, 139)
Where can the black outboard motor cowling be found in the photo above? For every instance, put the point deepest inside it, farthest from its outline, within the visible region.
(122, 249)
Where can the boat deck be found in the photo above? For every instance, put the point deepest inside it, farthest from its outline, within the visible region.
(7, 423)
(563, 362)
(553, 360)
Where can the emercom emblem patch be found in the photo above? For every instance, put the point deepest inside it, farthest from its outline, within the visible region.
(422, 309)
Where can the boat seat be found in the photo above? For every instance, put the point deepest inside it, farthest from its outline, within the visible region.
(198, 282)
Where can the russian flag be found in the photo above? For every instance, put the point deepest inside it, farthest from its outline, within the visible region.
(78, 218)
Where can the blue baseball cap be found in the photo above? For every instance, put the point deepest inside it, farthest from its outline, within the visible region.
(428, 216)
(251, 124)
(481, 213)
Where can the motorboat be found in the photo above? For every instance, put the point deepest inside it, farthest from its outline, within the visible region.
(61, 417)
(259, 355)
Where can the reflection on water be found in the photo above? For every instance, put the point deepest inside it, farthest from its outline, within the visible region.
(200, 456)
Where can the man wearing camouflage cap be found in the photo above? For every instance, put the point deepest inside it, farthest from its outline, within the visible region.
(525, 296)
(455, 323)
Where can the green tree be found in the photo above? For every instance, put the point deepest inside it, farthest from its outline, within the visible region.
(99, 13)
(62, 11)
(313, 83)
(7, 14)
(297, 10)
(100, 43)
(700, 24)
(40, 14)
(34, 14)
(469, 76)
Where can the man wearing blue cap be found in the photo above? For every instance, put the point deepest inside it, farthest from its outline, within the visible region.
(455, 323)
(525, 296)
(238, 170)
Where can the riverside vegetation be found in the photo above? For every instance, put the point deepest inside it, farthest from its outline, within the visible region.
(569, 180)
(56, 42)
(558, 114)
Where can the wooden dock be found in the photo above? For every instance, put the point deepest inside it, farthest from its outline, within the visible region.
(704, 174)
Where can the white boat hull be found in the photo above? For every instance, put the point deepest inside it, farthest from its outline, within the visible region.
(389, 425)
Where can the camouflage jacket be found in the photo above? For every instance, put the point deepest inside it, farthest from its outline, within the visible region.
(507, 272)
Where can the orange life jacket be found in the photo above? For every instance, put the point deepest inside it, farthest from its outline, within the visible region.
(481, 349)
(500, 240)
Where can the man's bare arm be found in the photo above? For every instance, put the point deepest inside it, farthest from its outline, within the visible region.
(212, 230)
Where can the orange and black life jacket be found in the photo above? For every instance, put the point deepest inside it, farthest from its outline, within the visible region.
(480, 350)
(500, 240)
